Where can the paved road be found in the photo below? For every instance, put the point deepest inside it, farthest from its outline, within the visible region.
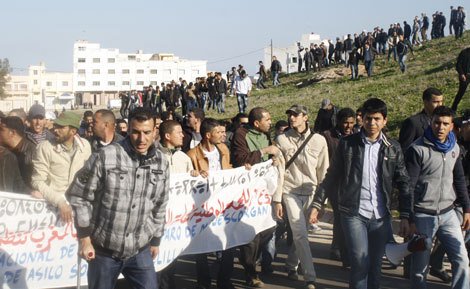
(329, 273)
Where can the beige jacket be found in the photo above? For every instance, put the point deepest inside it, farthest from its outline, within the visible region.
(178, 160)
(309, 168)
(54, 168)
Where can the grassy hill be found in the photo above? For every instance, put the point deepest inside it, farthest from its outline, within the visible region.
(433, 64)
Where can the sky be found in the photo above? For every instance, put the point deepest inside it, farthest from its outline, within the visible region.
(225, 33)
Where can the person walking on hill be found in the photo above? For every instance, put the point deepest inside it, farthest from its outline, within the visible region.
(276, 68)
(463, 69)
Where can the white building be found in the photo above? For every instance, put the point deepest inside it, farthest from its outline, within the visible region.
(101, 73)
(54, 90)
(288, 56)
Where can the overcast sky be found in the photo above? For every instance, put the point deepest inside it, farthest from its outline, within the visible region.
(225, 33)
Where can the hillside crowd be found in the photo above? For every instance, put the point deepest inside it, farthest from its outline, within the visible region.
(110, 176)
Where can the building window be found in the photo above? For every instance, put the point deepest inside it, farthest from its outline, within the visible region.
(111, 60)
(111, 83)
(294, 59)
(125, 71)
(111, 71)
(81, 71)
(81, 48)
(49, 83)
(96, 83)
(96, 60)
(153, 83)
(65, 83)
(181, 72)
(23, 87)
(81, 60)
(125, 83)
(81, 83)
(131, 57)
(96, 71)
(35, 72)
(140, 71)
(196, 72)
(167, 71)
(140, 83)
(153, 71)
(35, 82)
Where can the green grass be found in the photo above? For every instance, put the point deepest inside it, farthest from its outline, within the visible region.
(432, 65)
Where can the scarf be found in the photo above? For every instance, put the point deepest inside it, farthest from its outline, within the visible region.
(443, 147)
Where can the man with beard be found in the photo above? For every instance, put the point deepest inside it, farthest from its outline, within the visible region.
(56, 162)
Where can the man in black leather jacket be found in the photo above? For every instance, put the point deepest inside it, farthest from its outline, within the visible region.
(367, 165)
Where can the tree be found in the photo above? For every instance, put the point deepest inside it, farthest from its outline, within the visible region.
(4, 72)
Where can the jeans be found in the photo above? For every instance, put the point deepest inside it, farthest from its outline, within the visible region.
(275, 78)
(354, 71)
(242, 100)
(204, 99)
(369, 64)
(296, 207)
(190, 104)
(260, 83)
(401, 62)
(393, 50)
(221, 103)
(138, 270)
(447, 228)
(365, 239)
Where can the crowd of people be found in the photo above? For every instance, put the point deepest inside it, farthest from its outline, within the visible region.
(110, 175)
(397, 40)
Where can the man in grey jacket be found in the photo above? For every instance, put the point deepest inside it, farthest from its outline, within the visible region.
(119, 199)
(438, 183)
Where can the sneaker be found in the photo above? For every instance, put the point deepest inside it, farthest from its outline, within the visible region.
(255, 283)
(441, 274)
(292, 275)
(310, 285)
(314, 228)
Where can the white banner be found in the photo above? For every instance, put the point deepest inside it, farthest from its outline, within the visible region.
(203, 215)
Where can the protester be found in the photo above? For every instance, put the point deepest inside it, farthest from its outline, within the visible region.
(326, 116)
(344, 126)
(365, 193)
(12, 136)
(121, 127)
(262, 76)
(192, 131)
(298, 178)
(252, 145)
(463, 69)
(37, 121)
(56, 162)
(276, 68)
(413, 127)
(242, 89)
(133, 176)
(438, 183)
(208, 157)
(104, 129)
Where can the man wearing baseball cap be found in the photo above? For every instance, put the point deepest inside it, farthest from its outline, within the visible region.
(36, 131)
(56, 162)
(299, 176)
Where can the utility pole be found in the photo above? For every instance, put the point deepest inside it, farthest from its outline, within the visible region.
(271, 50)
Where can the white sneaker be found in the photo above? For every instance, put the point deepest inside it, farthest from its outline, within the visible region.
(314, 228)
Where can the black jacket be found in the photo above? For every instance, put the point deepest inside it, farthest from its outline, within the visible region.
(413, 128)
(346, 172)
(463, 62)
